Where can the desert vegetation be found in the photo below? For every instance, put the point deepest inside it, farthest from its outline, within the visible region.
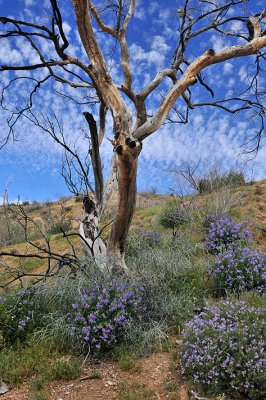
(109, 277)
(198, 294)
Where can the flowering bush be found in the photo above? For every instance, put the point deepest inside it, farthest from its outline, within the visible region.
(213, 217)
(100, 316)
(240, 269)
(19, 314)
(223, 349)
(225, 232)
(151, 238)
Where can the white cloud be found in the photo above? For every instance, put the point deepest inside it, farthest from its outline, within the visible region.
(66, 27)
(218, 42)
(8, 55)
(29, 3)
(138, 54)
(140, 13)
(228, 67)
(159, 44)
(153, 7)
(242, 73)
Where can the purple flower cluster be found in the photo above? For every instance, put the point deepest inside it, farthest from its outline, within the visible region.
(223, 349)
(240, 269)
(99, 316)
(225, 232)
(18, 314)
(149, 237)
(213, 217)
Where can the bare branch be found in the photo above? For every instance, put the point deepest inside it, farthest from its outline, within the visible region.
(95, 157)
(102, 26)
(128, 16)
(189, 78)
(170, 73)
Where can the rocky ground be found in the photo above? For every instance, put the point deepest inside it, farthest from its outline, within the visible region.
(103, 380)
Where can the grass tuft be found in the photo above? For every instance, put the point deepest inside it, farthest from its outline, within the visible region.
(135, 391)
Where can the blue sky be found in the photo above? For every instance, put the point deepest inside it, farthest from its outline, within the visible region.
(29, 165)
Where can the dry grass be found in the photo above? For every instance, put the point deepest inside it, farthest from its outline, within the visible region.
(245, 203)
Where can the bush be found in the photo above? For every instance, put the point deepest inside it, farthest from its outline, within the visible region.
(223, 350)
(59, 227)
(173, 217)
(19, 316)
(100, 316)
(149, 237)
(240, 269)
(216, 181)
(224, 233)
(78, 199)
(214, 217)
(173, 284)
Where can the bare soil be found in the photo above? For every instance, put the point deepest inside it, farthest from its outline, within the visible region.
(156, 372)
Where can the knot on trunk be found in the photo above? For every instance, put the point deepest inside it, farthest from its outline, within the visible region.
(131, 143)
(210, 52)
(89, 205)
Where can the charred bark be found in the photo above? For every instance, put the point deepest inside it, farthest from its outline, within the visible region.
(127, 162)
(89, 230)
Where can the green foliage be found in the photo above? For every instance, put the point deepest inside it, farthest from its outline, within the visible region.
(230, 179)
(223, 349)
(173, 281)
(38, 390)
(20, 314)
(129, 362)
(10, 232)
(173, 216)
(78, 199)
(38, 359)
(59, 227)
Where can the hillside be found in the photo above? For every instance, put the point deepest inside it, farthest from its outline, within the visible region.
(246, 203)
(175, 274)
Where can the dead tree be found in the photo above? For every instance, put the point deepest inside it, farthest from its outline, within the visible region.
(111, 18)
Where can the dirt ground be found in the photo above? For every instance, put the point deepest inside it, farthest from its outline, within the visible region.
(156, 374)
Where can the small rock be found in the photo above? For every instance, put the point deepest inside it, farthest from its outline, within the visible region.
(194, 396)
(3, 387)
(110, 383)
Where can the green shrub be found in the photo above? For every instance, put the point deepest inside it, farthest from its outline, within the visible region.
(78, 199)
(230, 179)
(59, 227)
(173, 283)
(223, 349)
(174, 216)
(20, 314)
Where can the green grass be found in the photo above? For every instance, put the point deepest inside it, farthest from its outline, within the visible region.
(38, 390)
(38, 359)
(135, 391)
(129, 362)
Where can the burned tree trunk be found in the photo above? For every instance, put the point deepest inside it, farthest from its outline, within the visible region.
(127, 161)
(89, 231)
